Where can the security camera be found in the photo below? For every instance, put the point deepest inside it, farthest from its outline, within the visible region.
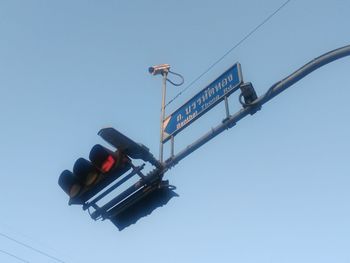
(159, 69)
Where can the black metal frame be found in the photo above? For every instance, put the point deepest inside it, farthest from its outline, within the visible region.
(147, 184)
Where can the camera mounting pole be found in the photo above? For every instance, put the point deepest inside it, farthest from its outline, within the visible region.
(162, 69)
(162, 115)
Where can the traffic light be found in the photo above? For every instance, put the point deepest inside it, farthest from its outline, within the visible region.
(91, 181)
(91, 176)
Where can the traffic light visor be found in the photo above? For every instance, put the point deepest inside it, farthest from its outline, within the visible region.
(85, 172)
(69, 183)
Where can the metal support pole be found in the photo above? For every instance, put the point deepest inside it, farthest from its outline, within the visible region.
(227, 107)
(172, 146)
(162, 115)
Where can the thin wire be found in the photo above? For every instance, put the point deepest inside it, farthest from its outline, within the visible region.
(32, 248)
(180, 76)
(31, 239)
(230, 50)
(14, 256)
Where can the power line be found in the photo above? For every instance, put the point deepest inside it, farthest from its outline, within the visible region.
(230, 50)
(14, 256)
(31, 239)
(31, 248)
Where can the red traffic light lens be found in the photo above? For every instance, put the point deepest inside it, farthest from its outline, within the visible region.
(108, 164)
(103, 158)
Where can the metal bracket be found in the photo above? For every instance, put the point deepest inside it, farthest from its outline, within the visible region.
(135, 170)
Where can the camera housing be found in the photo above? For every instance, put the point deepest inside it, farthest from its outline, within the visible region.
(159, 69)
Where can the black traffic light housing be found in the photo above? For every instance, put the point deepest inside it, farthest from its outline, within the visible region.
(106, 170)
(90, 177)
(248, 93)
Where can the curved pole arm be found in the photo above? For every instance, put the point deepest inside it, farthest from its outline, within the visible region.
(251, 108)
(314, 64)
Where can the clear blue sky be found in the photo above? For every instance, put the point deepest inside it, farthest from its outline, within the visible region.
(275, 188)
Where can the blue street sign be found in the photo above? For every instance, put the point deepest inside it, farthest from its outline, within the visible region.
(203, 101)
